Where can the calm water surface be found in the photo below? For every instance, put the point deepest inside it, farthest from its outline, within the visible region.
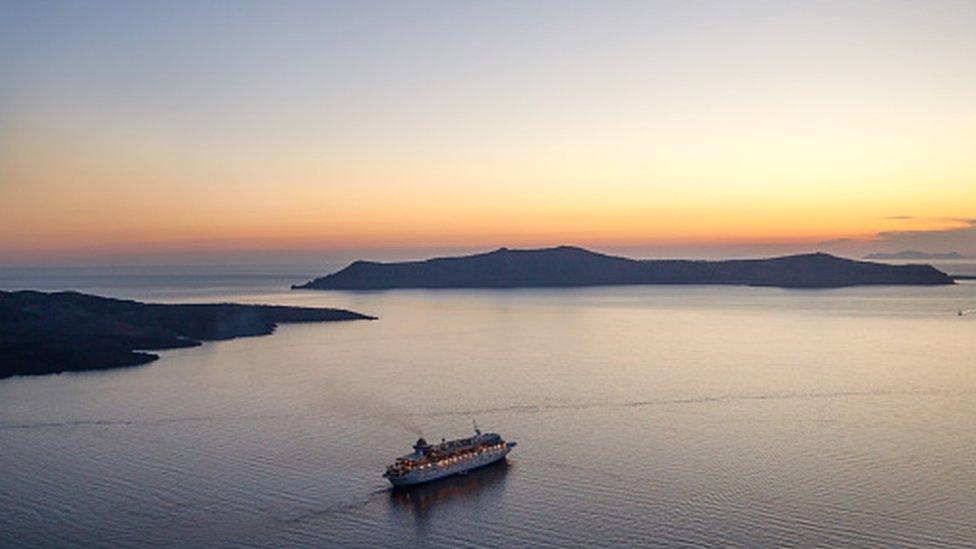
(644, 415)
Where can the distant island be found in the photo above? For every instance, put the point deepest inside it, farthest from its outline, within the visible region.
(569, 266)
(46, 333)
(915, 255)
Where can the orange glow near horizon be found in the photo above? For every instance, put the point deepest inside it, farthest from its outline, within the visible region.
(116, 196)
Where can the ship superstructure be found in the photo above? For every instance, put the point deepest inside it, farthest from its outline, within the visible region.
(430, 462)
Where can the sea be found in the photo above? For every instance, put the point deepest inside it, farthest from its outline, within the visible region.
(645, 416)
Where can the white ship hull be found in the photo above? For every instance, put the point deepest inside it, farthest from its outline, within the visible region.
(435, 472)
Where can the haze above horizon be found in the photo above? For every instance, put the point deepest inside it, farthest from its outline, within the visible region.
(294, 131)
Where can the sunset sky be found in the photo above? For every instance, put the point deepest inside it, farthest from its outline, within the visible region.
(169, 131)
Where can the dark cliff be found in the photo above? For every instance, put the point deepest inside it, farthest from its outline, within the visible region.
(44, 333)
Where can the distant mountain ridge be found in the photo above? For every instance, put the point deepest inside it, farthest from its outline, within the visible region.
(913, 254)
(570, 266)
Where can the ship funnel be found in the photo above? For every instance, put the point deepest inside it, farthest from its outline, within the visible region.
(477, 431)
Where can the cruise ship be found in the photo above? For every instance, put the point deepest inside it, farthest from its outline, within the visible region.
(430, 462)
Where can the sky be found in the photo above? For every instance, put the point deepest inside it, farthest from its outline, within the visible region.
(304, 131)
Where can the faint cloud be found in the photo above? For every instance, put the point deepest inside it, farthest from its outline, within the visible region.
(930, 219)
(959, 236)
(834, 241)
(956, 239)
